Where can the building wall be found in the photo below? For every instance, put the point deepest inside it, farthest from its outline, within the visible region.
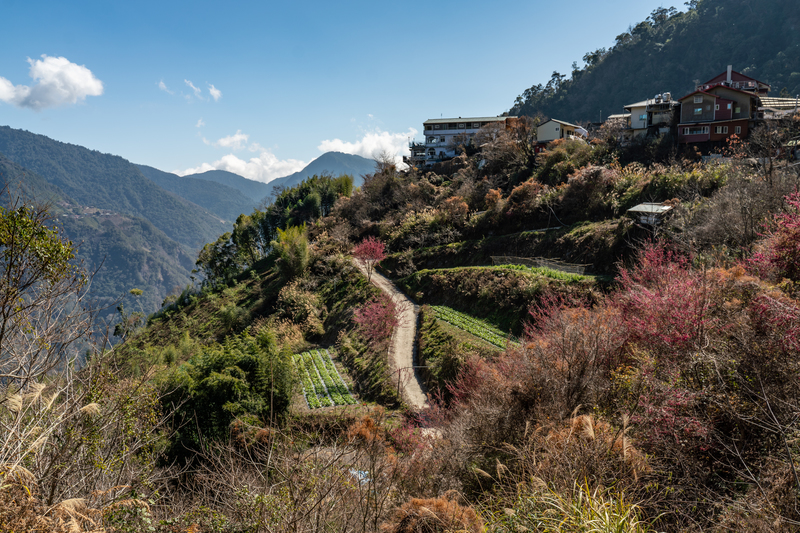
(550, 131)
(705, 107)
(741, 101)
(637, 122)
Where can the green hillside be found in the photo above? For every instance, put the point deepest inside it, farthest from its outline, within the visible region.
(670, 52)
(123, 252)
(254, 190)
(106, 181)
(224, 201)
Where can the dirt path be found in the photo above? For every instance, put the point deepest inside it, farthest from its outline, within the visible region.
(403, 348)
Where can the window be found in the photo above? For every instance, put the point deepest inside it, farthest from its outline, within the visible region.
(462, 126)
(696, 130)
(738, 129)
(730, 105)
(717, 129)
(708, 107)
(643, 116)
(437, 126)
(716, 107)
(698, 110)
(738, 110)
(725, 129)
(476, 124)
(698, 99)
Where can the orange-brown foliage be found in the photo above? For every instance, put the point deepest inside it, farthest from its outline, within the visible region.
(433, 515)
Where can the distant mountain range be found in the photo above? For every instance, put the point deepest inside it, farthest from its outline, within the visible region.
(225, 201)
(333, 163)
(138, 226)
(126, 251)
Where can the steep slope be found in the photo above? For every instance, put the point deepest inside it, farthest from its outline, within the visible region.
(224, 201)
(125, 252)
(22, 182)
(334, 163)
(110, 182)
(670, 52)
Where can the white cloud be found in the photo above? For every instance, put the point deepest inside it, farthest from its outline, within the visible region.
(373, 144)
(265, 168)
(57, 82)
(163, 87)
(216, 94)
(197, 91)
(237, 141)
(200, 123)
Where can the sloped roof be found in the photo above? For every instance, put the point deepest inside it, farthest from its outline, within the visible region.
(559, 122)
(700, 92)
(650, 209)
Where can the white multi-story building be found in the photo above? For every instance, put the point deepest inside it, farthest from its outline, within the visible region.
(443, 135)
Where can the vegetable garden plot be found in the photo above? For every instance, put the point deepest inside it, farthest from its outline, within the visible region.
(472, 325)
(323, 386)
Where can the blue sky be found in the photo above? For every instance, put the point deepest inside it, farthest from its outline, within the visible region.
(262, 88)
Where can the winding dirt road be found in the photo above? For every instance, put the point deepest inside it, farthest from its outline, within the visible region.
(403, 347)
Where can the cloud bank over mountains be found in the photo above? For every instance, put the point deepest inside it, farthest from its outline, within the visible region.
(57, 82)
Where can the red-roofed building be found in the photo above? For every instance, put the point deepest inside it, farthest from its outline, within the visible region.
(736, 80)
(720, 108)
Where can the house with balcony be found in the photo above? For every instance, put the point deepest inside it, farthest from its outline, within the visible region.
(720, 108)
(651, 118)
(444, 135)
(736, 80)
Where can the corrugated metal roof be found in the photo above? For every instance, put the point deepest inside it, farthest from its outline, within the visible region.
(465, 119)
(621, 115)
(778, 103)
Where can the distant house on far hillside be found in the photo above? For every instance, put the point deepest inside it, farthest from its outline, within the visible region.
(557, 129)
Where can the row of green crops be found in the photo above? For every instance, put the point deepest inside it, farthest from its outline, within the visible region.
(472, 325)
(323, 386)
(547, 272)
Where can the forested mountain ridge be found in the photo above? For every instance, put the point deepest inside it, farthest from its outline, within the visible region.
(255, 190)
(107, 181)
(223, 200)
(123, 252)
(670, 52)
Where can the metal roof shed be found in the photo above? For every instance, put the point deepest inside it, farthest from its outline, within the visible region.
(649, 213)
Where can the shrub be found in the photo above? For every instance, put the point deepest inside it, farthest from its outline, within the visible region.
(780, 256)
(376, 320)
(433, 515)
(582, 509)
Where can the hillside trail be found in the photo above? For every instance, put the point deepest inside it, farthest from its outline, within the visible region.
(403, 346)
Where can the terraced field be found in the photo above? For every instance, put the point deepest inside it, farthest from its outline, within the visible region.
(479, 328)
(323, 386)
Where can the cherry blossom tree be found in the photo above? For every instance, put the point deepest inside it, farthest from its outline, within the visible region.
(371, 251)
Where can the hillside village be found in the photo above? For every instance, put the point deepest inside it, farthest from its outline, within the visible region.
(729, 104)
(532, 324)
